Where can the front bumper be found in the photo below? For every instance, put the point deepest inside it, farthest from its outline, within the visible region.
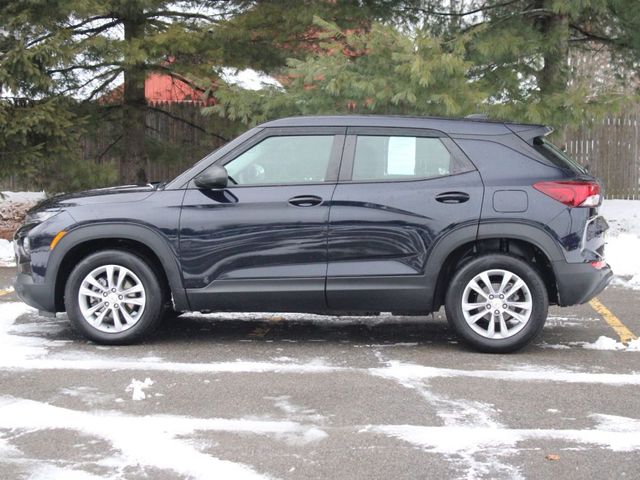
(579, 282)
(36, 295)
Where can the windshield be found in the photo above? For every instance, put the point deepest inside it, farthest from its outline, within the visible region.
(557, 156)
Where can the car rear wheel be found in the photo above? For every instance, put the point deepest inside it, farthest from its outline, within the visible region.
(114, 297)
(497, 303)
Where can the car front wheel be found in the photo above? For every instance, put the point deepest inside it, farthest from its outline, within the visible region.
(114, 297)
(497, 303)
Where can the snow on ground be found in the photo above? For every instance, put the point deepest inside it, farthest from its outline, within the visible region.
(22, 197)
(619, 434)
(409, 372)
(608, 343)
(13, 206)
(53, 472)
(7, 256)
(22, 350)
(623, 246)
(472, 436)
(137, 388)
(155, 440)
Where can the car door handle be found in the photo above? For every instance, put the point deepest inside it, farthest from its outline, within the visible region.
(452, 197)
(305, 201)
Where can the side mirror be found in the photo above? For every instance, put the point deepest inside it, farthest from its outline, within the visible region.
(213, 177)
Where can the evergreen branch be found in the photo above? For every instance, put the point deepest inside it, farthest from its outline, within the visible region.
(80, 67)
(590, 36)
(158, 23)
(109, 147)
(187, 122)
(69, 27)
(98, 29)
(493, 22)
(483, 8)
(104, 84)
(101, 75)
(175, 13)
(176, 76)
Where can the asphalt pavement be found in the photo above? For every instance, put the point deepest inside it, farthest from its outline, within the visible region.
(297, 396)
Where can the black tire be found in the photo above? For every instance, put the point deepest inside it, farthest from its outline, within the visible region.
(539, 300)
(154, 293)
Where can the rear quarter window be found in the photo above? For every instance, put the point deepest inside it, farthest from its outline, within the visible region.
(556, 156)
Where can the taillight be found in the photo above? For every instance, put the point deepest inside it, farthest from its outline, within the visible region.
(572, 193)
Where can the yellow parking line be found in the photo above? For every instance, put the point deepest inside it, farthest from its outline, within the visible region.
(5, 292)
(614, 322)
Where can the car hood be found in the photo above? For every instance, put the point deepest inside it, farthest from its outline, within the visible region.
(125, 193)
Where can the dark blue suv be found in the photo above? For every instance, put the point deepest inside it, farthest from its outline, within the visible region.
(332, 215)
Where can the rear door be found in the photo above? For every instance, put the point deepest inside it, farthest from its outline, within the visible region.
(261, 243)
(399, 192)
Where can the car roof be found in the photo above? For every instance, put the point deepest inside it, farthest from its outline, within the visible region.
(463, 126)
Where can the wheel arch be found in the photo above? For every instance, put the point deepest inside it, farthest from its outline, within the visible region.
(139, 239)
(522, 240)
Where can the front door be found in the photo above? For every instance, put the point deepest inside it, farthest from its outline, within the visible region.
(261, 243)
(400, 190)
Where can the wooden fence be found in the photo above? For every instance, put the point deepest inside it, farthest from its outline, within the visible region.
(609, 148)
(178, 135)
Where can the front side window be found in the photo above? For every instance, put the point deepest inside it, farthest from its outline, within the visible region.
(283, 160)
(400, 158)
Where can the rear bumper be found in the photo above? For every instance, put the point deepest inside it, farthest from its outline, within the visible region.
(579, 282)
(36, 295)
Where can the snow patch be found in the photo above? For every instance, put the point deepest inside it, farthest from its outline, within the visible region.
(137, 388)
(314, 319)
(407, 372)
(623, 242)
(6, 449)
(569, 321)
(295, 412)
(554, 346)
(621, 253)
(7, 255)
(155, 440)
(17, 348)
(608, 343)
(463, 413)
(22, 197)
(53, 472)
(619, 434)
(89, 395)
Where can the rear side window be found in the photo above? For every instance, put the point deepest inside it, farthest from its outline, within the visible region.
(556, 156)
(401, 158)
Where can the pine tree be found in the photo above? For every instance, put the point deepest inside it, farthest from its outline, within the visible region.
(85, 48)
(505, 58)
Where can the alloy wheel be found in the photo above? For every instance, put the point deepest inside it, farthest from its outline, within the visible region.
(497, 304)
(112, 298)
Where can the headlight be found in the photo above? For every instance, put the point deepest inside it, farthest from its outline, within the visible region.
(39, 217)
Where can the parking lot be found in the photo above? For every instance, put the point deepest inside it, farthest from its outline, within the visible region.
(304, 396)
